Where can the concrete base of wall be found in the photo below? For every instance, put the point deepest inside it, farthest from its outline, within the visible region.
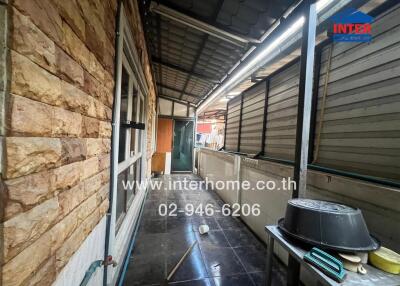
(379, 204)
(92, 249)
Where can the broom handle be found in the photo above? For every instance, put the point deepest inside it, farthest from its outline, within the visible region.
(180, 261)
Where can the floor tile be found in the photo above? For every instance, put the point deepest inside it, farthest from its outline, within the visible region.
(179, 241)
(153, 226)
(278, 278)
(180, 203)
(151, 213)
(220, 257)
(241, 237)
(210, 221)
(214, 238)
(192, 267)
(236, 280)
(230, 223)
(145, 269)
(253, 258)
(179, 224)
(221, 261)
(201, 282)
(157, 195)
(149, 243)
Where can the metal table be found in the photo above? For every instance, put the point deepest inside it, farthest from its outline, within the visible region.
(374, 277)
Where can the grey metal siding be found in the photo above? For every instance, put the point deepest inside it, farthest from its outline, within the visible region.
(280, 136)
(360, 130)
(232, 124)
(252, 119)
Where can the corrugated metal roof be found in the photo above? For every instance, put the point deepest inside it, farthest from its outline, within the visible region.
(188, 62)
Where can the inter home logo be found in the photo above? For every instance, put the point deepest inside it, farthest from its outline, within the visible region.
(351, 25)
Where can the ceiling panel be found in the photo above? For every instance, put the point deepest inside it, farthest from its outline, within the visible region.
(187, 63)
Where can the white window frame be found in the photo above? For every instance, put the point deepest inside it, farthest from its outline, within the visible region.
(131, 157)
(119, 240)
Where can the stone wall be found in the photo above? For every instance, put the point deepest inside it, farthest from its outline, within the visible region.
(56, 151)
(3, 71)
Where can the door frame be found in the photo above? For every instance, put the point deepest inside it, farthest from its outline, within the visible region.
(173, 141)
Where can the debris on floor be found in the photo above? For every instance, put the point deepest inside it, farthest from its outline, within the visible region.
(203, 229)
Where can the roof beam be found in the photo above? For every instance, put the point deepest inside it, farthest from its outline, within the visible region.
(178, 68)
(203, 43)
(184, 19)
(176, 99)
(159, 45)
(177, 90)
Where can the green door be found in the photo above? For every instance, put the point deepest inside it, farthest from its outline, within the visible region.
(182, 151)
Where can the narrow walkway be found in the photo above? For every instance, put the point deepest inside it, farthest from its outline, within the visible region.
(228, 255)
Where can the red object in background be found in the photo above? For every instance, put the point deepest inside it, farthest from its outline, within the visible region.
(204, 127)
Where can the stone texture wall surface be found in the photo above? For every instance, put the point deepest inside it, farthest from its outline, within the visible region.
(57, 144)
(56, 163)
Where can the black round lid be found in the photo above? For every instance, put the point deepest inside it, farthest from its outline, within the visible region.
(322, 206)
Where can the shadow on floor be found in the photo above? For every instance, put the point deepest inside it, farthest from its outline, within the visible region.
(228, 255)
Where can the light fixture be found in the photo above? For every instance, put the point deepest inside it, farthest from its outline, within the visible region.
(246, 70)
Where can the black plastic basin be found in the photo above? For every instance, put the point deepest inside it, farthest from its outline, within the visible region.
(327, 225)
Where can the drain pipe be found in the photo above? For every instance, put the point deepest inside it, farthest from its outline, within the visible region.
(107, 256)
(93, 267)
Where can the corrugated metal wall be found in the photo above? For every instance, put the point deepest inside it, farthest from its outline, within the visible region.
(252, 119)
(232, 124)
(357, 126)
(360, 130)
(280, 135)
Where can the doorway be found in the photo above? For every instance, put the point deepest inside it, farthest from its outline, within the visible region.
(182, 150)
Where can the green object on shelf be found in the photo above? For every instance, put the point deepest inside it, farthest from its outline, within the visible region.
(325, 262)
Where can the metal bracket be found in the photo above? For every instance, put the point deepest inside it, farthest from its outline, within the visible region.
(134, 125)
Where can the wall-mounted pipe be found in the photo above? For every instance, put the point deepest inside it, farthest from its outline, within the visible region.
(112, 165)
(92, 269)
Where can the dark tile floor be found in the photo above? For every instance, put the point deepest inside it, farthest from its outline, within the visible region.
(228, 255)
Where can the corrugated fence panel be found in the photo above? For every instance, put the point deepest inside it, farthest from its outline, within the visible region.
(280, 136)
(252, 119)
(361, 119)
(232, 124)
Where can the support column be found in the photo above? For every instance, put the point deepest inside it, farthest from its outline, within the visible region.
(240, 122)
(264, 130)
(305, 98)
(238, 173)
(303, 118)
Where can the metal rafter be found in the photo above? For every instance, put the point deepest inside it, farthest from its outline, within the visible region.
(233, 38)
(176, 99)
(183, 70)
(177, 90)
(202, 45)
(159, 46)
(213, 22)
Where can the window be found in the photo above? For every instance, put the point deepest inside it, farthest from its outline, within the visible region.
(180, 109)
(130, 108)
(191, 111)
(123, 113)
(165, 106)
(175, 109)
